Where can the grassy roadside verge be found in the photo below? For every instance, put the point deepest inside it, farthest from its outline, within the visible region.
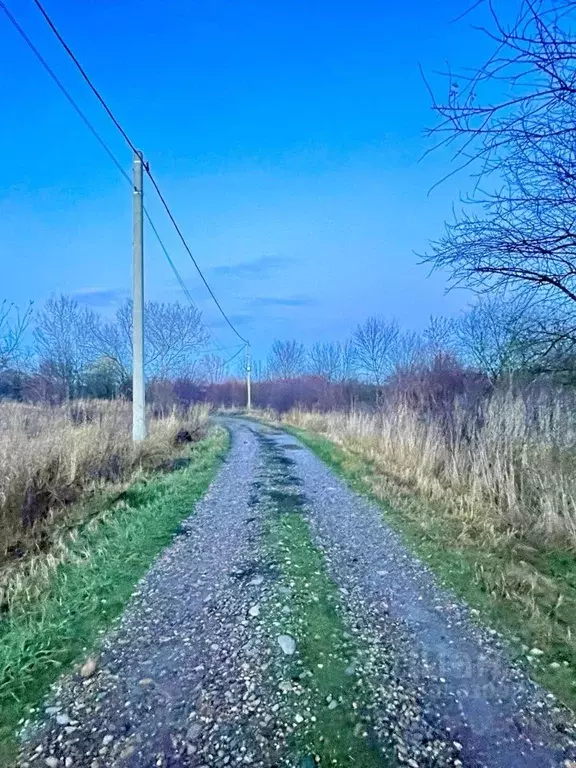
(41, 637)
(532, 612)
(324, 699)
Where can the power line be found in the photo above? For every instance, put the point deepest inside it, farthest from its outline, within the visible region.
(99, 139)
(84, 75)
(109, 112)
(62, 87)
(177, 228)
(174, 269)
(222, 349)
(169, 259)
(233, 356)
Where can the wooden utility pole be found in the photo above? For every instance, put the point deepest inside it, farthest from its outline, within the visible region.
(138, 383)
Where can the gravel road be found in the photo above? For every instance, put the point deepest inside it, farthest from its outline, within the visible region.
(187, 675)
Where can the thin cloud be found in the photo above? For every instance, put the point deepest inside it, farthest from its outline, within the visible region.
(234, 319)
(276, 301)
(99, 297)
(262, 267)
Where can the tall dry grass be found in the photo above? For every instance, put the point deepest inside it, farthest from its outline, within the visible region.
(53, 456)
(507, 467)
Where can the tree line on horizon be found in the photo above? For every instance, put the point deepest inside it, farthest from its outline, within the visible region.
(65, 351)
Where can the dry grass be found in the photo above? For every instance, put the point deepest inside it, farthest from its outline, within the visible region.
(508, 470)
(51, 457)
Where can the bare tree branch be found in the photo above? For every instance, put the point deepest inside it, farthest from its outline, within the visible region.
(519, 237)
(286, 360)
(13, 326)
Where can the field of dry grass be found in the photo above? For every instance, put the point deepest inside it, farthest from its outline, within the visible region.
(53, 456)
(508, 470)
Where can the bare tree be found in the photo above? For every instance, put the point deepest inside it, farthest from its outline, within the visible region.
(520, 236)
(374, 343)
(286, 360)
(13, 325)
(112, 340)
(491, 336)
(174, 334)
(324, 360)
(439, 337)
(331, 360)
(348, 364)
(173, 337)
(257, 370)
(408, 352)
(211, 369)
(62, 337)
(546, 341)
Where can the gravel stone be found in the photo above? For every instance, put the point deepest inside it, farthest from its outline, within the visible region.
(88, 668)
(193, 732)
(287, 643)
(62, 719)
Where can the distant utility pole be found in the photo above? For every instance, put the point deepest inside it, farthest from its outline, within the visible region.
(138, 384)
(248, 380)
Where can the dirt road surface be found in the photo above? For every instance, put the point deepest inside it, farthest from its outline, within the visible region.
(194, 673)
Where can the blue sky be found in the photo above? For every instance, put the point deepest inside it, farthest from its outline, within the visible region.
(286, 136)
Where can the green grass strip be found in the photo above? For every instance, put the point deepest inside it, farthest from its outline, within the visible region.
(39, 640)
(330, 735)
(470, 571)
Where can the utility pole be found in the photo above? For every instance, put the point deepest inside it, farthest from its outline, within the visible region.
(138, 384)
(248, 379)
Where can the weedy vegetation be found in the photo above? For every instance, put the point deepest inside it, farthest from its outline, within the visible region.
(53, 456)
